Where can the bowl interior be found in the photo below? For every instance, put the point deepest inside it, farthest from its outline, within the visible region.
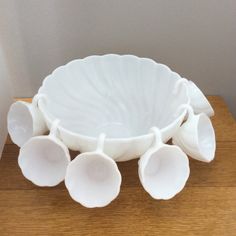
(122, 96)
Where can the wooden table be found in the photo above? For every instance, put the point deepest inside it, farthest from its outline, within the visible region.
(207, 205)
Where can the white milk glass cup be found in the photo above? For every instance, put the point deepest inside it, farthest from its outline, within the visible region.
(25, 120)
(43, 159)
(196, 136)
(198, 101)
(163, 169)
(93, 178)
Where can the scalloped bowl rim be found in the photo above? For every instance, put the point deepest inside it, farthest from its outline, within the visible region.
(90, 138)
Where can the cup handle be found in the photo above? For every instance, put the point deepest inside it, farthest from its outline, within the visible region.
(100, 143)
(178, 84)
(188, 109)
(157, 136)
(54, 128)
(37, 97)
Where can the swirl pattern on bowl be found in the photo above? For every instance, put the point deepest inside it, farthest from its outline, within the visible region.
(122, 96)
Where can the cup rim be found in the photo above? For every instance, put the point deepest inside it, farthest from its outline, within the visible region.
(209, 111)
(177, 188)
(194, 150)
(26, 106)
(86, 156)
(212, 136)
(48, 138)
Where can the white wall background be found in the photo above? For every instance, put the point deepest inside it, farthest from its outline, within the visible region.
(196, 38)
(5, 99)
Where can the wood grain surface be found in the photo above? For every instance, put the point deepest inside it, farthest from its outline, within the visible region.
(207, 205)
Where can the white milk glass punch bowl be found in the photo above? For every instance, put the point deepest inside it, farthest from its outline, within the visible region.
(112, 108)
(121, 96)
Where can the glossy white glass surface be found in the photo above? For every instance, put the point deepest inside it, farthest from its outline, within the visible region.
(122, 96)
